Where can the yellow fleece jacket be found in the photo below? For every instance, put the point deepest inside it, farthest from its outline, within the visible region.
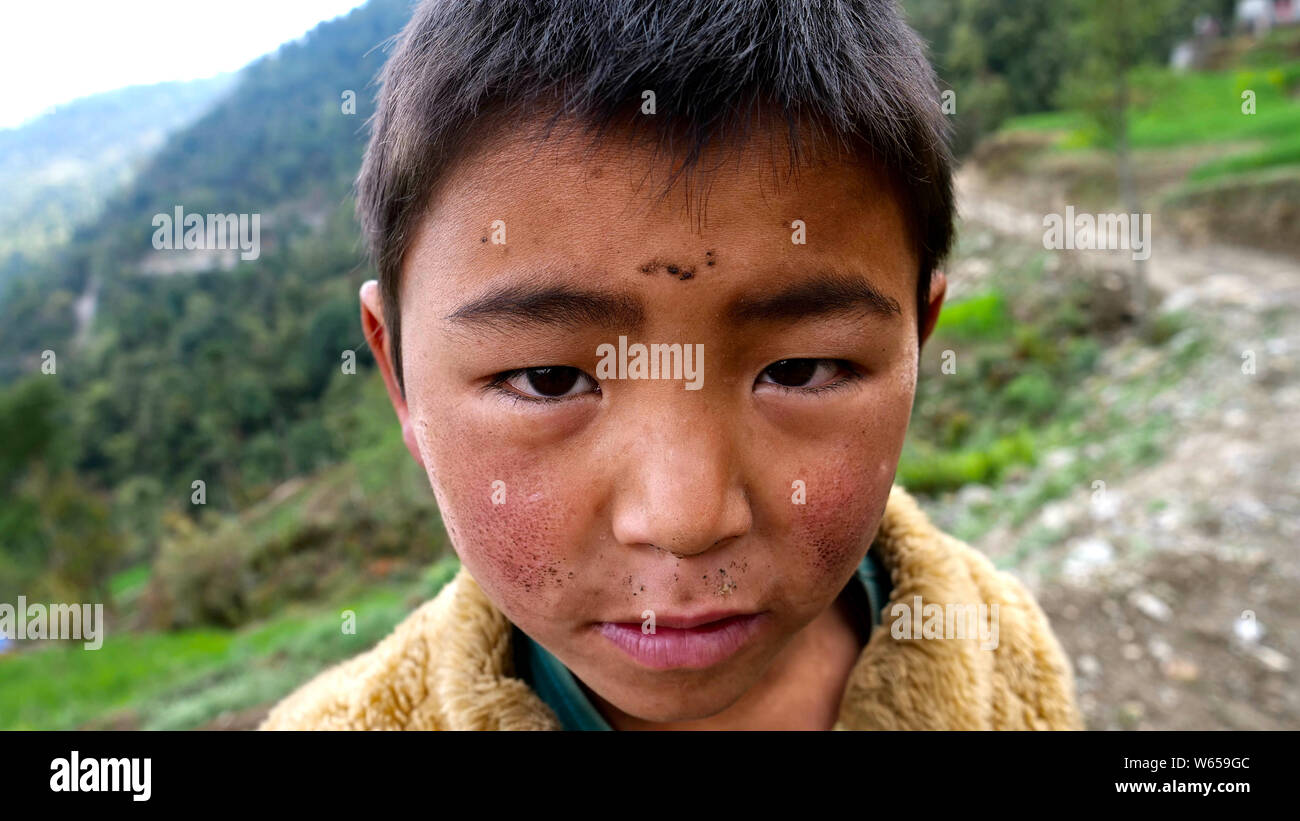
(448, 666)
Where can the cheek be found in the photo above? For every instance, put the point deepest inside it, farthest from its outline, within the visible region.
(514, 524)
(846, 490)
(831, 531)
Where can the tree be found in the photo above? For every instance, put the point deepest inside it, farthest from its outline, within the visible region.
(1110, 40)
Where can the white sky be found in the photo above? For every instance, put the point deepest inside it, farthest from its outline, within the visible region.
(54, 51)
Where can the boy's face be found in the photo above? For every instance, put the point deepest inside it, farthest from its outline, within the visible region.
(579, 501)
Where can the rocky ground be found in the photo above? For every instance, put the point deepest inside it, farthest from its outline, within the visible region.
(1173, 586)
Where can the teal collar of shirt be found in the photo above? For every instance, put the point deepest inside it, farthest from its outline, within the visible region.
(559, 689)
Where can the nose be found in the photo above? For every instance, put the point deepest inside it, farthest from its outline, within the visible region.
(681, 488)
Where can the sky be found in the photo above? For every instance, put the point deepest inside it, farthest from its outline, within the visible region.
(55, 51)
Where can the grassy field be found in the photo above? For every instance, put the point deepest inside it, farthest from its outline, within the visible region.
(183, 679)
(1201, 108)
(236, 610)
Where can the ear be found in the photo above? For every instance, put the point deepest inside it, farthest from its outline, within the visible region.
(938, 290)
(372, 324)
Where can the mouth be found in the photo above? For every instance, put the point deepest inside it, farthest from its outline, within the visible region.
(685, 643)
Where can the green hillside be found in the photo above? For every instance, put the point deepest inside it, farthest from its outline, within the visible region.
(184, 377)
(59, 168)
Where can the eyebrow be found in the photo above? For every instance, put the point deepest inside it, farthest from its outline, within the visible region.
(826, 293)
(516, 307)
(523, 306)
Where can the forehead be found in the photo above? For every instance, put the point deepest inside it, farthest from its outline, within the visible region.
(520, 207)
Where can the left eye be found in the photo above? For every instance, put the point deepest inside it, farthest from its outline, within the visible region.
(802, 373)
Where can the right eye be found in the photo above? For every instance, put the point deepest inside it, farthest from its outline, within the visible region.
(545, 384)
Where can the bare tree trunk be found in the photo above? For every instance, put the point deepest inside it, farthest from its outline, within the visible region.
(1128, 188)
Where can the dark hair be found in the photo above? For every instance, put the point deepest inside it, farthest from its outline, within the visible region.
(851, 69)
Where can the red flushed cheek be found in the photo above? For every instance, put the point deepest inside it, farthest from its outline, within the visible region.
(516, 551)
(512, 524)
(846, 491)
(834, 526)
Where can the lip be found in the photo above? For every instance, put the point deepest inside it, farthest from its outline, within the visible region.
(687, 642)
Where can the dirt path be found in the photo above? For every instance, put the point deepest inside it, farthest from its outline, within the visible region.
(1211, 276)
(1176, 597)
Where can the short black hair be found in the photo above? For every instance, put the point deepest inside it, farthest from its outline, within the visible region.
(852, 70)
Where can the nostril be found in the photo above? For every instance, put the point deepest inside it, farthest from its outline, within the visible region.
(666, 550)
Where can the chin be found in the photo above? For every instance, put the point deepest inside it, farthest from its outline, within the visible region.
(672, 707)
(679, 696)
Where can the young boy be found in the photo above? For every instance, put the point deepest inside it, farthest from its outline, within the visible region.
(653, 281)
